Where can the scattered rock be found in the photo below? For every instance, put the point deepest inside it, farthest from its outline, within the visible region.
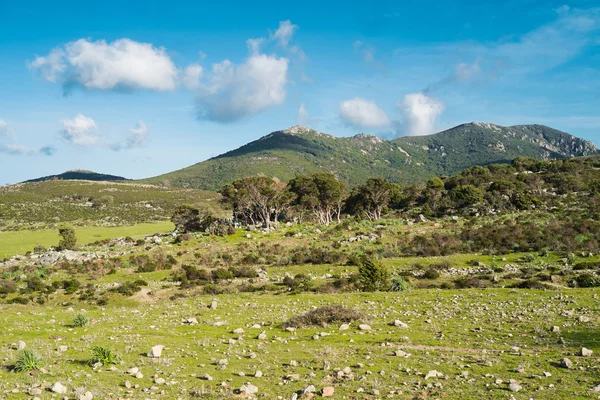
(364, 327)
(399, 324)
(585, 352)
(248, 388)
(514, 387)
(328, 391)
(156, 351)
(58, 388)
(566, 363)
(434, 374)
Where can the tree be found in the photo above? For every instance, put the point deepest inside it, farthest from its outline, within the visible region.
(257, 199)
(373, 275)
(372, 198)
(188, 218)
(68, 239)
(319, 193)
(466, 195)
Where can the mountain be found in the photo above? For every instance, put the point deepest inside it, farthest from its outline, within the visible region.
(79, 174)
(297, 150)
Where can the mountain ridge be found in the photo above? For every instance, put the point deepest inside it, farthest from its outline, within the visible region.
(298, 149)
(79, 174)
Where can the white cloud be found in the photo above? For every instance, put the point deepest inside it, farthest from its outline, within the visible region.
(17, 149)
(284, 33)
(52, 66)
(237, 91)
(254, 45)
(302, 116)
(363, 113)
(191, 76)
(137, 136)
(420, 113)
(122, 64)
(79, 131)
(4, 129)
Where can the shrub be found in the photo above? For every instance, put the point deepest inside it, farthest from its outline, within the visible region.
(322, 316)
(373, 275)
(68, 239)
(18, 300)
(131, 288)
(103, 355)
(7, 286)
(399, 284)
(431, 274)
(585, 281)
(81, 321)
(71, 285)
(221, 273)
(531, 284)
(27, 361)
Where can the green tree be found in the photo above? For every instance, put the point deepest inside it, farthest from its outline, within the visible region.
(373, 275)
(257, 199)
(466, 195)
(68, 239)
(371, 199)
(188, 218)
(320, 194)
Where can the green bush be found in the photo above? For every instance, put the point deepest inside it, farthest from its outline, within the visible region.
(322, 316)
(373, 275)
(585, 281)
(27, 361)
(399, 284)
(103, 355)
(81, 321)
(68, 239)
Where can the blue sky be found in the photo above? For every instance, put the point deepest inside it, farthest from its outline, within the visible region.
(142, 88)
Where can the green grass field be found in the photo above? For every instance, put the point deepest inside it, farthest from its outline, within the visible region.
(19, 242)
(465, 335)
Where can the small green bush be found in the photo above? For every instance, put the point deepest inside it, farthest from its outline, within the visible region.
(81, 321)
(324, 315)
(26, 361)
(104, 355)
(373, 275)
(585, 281)
(399, 284)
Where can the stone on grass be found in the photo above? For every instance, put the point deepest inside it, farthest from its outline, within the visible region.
(515, 387)
(555, 329)
(399, 324)
(328, 391)
(585, 352)
(309, 389)
(344, 327)
(433, 374)
(262, 336)
(59, 388)
(566, 363)
(248, 388)
(364, 327)
(156, 351)
(206, 377)
(21, 345)
(238, 331)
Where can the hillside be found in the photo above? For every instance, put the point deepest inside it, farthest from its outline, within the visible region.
(79, 174)
(36, 205)
(296, 150)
